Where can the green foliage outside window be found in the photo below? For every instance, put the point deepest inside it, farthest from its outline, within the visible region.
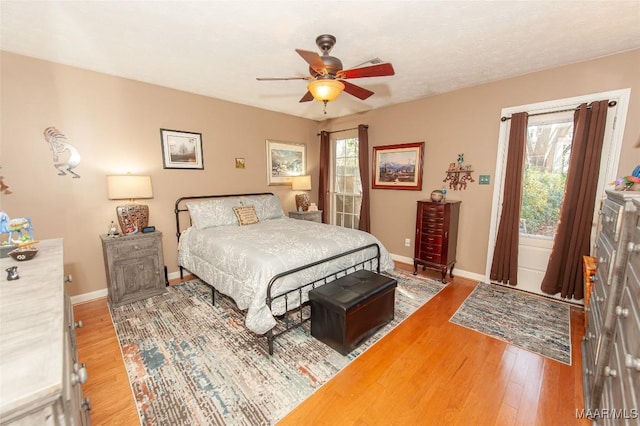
(541, 201)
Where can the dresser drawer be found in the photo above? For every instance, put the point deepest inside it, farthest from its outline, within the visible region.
(606, 259)
(428, 257)
(433, 210)
(431, 248)
(612, 219)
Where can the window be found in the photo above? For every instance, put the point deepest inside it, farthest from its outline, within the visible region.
(545, 172)
(347, 187)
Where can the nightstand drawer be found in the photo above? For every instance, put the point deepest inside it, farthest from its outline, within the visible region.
(137, 248)
(312, 216)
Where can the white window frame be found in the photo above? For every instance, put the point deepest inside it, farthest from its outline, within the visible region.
(334, 191)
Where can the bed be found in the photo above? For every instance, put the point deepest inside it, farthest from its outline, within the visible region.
(243, 246)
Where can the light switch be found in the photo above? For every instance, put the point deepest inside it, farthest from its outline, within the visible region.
(484, 180)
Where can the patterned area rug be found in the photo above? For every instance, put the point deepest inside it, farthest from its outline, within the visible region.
(530, 322)
(190, 363)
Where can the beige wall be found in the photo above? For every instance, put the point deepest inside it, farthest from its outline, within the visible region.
(468, 121)
(114, 123)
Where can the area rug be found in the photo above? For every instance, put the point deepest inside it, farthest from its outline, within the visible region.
(534, 323)
(190, 363)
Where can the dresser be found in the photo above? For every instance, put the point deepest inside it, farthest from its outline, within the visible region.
(41, 376)
(436, 236)
(313, 216)
(135, 267)
(611, 345)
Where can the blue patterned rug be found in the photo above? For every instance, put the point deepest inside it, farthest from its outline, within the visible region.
(190, 363)
(534, 323)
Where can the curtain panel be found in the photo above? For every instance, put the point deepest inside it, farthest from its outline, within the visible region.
(504, 266)
(363, 160)
(323, 180)
(572, 239)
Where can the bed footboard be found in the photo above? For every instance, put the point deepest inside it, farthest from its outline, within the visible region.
(298, 315)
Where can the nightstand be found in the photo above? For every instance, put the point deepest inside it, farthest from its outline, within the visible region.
(135, 267)
(313, 216)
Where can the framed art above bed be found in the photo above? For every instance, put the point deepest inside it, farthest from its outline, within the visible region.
(284, 161)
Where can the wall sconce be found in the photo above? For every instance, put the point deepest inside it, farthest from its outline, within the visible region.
(301, 183)
(131, 217)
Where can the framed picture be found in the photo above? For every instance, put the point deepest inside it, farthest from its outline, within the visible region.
(284, 161)
(240, 163)
(181, 150)
(398, 166)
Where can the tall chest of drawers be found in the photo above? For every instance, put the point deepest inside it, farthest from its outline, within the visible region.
(436, 236)
(40, 375)
(611, 345)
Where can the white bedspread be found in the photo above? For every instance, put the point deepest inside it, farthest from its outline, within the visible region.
(239, 261)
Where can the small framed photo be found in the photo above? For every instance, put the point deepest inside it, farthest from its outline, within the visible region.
(181, 150)
(284, 161)
(398, 166)
(240, 163)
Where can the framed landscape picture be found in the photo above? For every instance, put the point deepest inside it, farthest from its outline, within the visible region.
(284, 161)
(181, 150)
(398, 166)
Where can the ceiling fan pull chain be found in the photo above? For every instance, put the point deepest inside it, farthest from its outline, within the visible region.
(325, 107)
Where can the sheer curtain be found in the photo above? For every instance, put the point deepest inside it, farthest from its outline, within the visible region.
(363, 161)
(504, 267)
(564, 271)
(323, 180)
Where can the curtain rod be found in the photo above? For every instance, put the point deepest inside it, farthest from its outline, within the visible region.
(611, 104)
(344, 130)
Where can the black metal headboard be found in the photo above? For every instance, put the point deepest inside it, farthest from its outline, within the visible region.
(181, 208)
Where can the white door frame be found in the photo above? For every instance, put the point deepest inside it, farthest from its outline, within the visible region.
(610, 154)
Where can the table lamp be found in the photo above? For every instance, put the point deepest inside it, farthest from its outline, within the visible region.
(301, 183)
(132, 217)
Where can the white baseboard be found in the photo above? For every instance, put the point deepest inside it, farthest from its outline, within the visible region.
(98, 294)
(458, 272)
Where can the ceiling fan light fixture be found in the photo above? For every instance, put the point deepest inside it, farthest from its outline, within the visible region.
(325, 90)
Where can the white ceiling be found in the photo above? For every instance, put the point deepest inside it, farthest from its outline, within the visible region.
(218, 48)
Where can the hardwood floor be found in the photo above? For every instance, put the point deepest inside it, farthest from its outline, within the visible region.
(426, 371)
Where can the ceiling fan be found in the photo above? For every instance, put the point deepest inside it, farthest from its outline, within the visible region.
(327, 78)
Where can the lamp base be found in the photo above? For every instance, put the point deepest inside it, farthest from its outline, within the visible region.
(302, 202)
(132, 218)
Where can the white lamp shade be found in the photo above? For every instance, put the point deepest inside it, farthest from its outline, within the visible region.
(301, 183)
(129, 187)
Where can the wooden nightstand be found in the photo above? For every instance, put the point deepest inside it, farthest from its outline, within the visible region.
(313, 216)
(135, 267)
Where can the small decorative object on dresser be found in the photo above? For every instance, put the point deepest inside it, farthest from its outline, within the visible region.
(135, 267)
(311, 215)
(436, 236)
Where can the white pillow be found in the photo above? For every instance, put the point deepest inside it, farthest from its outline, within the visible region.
(267, 206)
(214, 212)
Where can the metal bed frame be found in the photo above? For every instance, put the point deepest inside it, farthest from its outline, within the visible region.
(297, 315)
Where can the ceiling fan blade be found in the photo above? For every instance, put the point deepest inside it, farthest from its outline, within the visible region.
(357, 91)
(307, 97)
(282, 78)
(314, 60)
(378, 70)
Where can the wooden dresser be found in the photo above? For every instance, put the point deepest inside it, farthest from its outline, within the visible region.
(135, 267)
(611, 345)
(40, 375)
(436, 236)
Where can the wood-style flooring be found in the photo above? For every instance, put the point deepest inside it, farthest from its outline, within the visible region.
(427, 371)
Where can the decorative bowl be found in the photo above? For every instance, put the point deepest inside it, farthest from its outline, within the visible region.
(26, 253)
(437, 196)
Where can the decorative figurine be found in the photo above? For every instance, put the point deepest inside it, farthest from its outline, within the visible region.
(12, 273)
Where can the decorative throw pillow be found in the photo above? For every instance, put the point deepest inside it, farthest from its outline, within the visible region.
(246, 215)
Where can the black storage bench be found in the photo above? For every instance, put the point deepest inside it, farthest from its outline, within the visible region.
(345, 312)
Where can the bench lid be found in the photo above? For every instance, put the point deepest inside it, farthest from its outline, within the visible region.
(351, 289)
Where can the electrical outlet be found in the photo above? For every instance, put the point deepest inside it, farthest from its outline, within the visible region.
(407, 242)
(483, 180)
